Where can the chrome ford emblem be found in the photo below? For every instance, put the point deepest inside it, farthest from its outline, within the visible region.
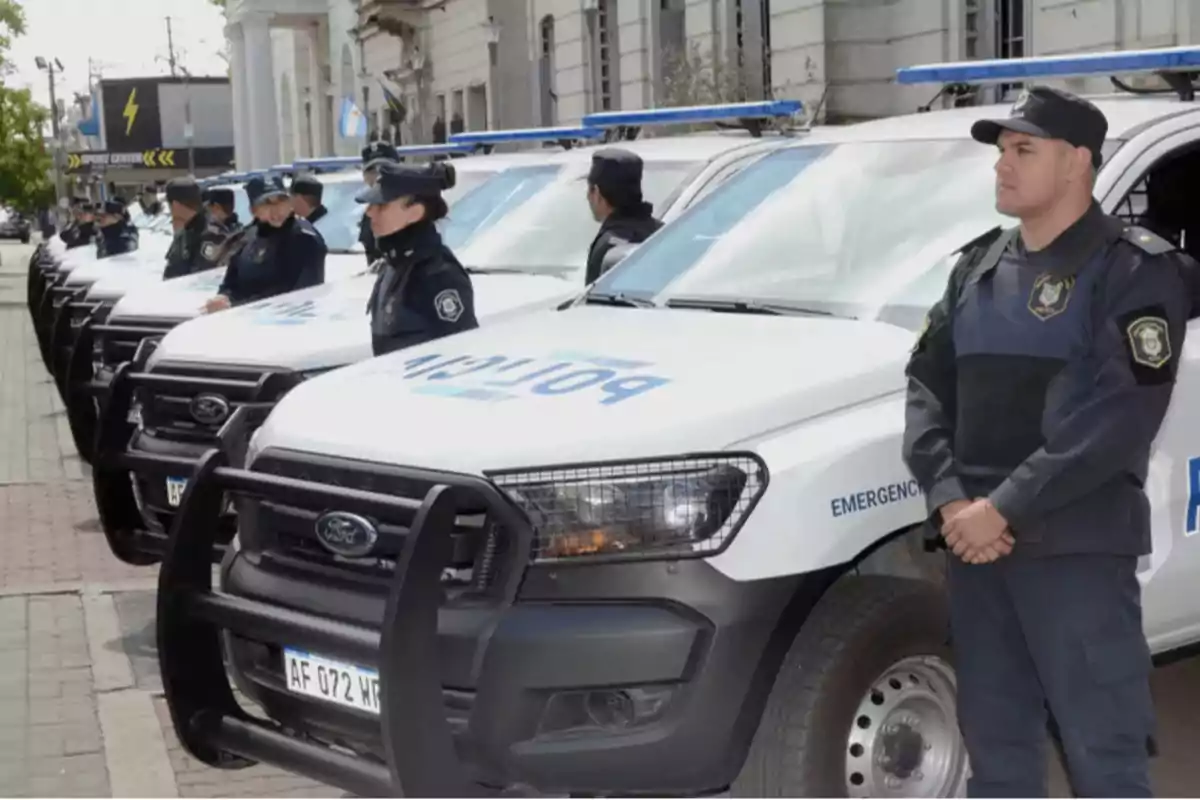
(209, 409)
(346, 534)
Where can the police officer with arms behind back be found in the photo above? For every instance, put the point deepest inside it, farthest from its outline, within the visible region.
(280, 253)
(422, 292)
(615, 196)
(198, 243)
(1035, 392)
(117, 234)
(373, 156)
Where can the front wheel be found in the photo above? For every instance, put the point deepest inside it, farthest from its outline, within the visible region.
(864, 703)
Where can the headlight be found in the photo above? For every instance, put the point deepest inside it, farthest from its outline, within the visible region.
(668, 508)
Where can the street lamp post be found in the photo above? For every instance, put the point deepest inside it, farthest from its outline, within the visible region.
(49, 66)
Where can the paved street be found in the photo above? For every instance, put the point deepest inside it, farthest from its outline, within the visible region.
(81, 712)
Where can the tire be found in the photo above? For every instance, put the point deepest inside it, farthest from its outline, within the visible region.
(864, 696)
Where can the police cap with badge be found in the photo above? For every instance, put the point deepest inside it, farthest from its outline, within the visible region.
(404, 180)
(265, 187)
(377, 153)
(1048, 113)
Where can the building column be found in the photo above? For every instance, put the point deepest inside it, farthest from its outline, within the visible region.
(316, 94)
(260, 74)
(241, 115)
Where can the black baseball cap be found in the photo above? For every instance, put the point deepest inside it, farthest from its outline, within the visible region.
(377, 153)
(308, 186)
(184, 190)
(403, 180)
(1050, 113)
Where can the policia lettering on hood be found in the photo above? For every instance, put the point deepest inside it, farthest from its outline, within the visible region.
(1035, 392)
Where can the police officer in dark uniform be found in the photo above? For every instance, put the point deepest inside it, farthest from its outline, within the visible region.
(221, 208)
(84, 230)
(117, 233)
(279, 253)
(150, 202)
(306, 197)
(422, 292)
(199, 242)
(373, 156)
(1035, 391)
(615, 195)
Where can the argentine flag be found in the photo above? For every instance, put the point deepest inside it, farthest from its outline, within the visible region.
(351, 124)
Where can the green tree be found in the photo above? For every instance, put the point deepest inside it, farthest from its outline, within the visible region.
(25, 164)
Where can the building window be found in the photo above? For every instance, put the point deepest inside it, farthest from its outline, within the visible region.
(603, 29)
(1009, 36)
(546, 70)
(971, 14)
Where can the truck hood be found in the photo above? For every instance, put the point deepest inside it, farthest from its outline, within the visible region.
(589, 384)
(182, 298)
(327, 326)
(151, 245)
(140, 264)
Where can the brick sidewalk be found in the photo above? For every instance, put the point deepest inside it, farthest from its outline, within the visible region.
(81, 713)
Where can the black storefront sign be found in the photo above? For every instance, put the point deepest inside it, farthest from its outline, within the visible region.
(155, 158)
(131, 115)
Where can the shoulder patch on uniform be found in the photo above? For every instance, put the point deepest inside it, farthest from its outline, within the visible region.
(209, 250)
(982, 240)
(1147, 240)
(1147, 335)
(448, 304)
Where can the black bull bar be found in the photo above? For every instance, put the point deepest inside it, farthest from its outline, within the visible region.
(421, 756)
(129, 537)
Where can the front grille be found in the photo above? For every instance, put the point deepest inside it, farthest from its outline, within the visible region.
(167, 412)
(287, 531)
(118, 339)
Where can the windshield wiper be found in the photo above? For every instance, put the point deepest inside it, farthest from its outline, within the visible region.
(617, 299)
(747, 307)
(495, 271)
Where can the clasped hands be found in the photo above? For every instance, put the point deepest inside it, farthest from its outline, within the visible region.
(975, 531)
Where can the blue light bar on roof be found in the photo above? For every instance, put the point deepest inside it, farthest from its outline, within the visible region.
(719, 113)
(333, 162)
(284, 168)
(432, 149)
(524, 135)
(1003, 70)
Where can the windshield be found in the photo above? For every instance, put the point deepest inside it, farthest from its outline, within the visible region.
(478, 210)
(465, 181)
(339, 227)
(856, 229)
(547, 225)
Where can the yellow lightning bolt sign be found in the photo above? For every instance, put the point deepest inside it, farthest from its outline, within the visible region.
(131, 110)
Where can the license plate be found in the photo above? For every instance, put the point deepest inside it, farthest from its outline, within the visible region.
(332, 681)
(175, 487)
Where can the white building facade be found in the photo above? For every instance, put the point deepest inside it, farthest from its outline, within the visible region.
(475, 64)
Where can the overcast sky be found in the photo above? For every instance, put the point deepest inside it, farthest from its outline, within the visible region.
(122, 37)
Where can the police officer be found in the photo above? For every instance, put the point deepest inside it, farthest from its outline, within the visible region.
(373, 156)
(84, 230)
(221, 208)
(615, 196)
(1034, 393)
(199, 242)
(117, 233)
(306, 197)
(279, 253)
(150, 202)
(422, 292)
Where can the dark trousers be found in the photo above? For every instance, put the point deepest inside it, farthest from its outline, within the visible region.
(1062, 633)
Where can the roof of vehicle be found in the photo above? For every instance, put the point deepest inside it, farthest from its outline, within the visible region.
(684, 148)
(482, 162)
(1124, 113)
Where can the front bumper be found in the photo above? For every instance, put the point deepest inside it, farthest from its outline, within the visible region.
(132, 465)
(609, 679)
